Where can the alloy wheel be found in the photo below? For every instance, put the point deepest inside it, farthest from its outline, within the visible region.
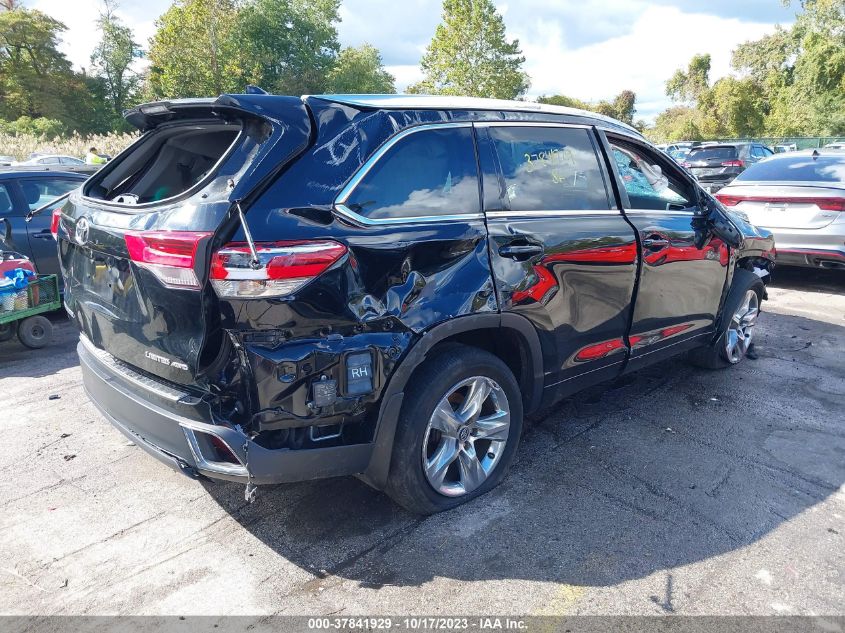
(740, 330)
(466, 436)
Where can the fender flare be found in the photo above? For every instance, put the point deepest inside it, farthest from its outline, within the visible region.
(736, 292)
(391, 402)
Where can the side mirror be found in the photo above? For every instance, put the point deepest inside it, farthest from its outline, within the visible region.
(710, 219)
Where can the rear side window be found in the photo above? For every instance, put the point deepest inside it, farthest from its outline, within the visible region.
(549, 168)
(427, 173)
(711, 153)
(40, 191)
(798, 168)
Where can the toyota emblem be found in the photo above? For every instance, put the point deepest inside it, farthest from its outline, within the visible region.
(82, 230)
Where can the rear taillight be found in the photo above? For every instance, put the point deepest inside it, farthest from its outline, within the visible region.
(282, 267)
(733, 163)
(825, 204)
(55, 219)
(169, 255)
(728, 201)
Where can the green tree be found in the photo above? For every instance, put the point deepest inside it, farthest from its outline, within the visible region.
(112, 60)
(31, 65)
(732, 108)
(690, 85)
(678, 123)
(800, 71)
(193, 52)
(563, 100)
(360, 70)
(48, 128)
(288, 46)
(471, 55)
(622, 107)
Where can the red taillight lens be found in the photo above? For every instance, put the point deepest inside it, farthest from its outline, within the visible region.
(727, 200)
(733, 163)
(169, 255)
(282, 268)
(55, 219)
(825, 204)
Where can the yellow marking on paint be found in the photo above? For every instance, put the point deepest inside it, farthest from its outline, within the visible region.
(563, 599)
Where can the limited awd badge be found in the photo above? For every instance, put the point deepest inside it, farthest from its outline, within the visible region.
(166, 361)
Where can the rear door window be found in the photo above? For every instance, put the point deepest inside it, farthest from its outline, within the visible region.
(549, 168)
(427, 173)
(39, 191)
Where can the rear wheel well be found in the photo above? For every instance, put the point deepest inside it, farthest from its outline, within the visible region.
(504, 343)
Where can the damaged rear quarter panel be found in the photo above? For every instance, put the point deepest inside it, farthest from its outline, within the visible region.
(394, 284)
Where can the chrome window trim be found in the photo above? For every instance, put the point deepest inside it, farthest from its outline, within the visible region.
(580, 126)
(340, 202)
(545, 213)
(680, 212)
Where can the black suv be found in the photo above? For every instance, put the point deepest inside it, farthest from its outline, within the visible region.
(274, 289)
(715, 166)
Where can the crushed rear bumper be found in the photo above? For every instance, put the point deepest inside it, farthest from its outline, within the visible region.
(175, 427)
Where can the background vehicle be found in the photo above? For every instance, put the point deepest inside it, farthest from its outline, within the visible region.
(785, 147)
(714, 166)
(835, 145)
(56, 162)
(6, 160)
(800, 198)
(22, 192)
(286, 309)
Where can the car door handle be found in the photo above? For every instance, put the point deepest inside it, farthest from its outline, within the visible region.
(521, 252)
(43, 235)
(655, 243)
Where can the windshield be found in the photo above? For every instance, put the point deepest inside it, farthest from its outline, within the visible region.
(798, 168)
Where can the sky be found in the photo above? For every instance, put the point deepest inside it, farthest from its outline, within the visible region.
(588, 49)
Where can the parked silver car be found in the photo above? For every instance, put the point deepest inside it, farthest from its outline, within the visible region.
(55, 162)
(800, 198)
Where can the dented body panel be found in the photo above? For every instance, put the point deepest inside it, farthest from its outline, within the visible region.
(311, 384)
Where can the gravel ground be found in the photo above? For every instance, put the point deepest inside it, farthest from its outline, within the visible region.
(678, 490)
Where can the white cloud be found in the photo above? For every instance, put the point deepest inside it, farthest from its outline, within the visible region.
(80, 18)
(641, 60)
(589, 49)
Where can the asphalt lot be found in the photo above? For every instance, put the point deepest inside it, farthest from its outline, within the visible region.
(678, 491)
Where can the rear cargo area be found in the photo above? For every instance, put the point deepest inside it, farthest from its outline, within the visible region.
(165, 164)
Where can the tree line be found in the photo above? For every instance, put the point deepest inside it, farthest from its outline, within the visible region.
(791, 82)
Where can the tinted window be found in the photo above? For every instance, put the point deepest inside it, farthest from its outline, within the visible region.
(430, 172)
(5, 203)
(650, 184)
(68, 160)
(801, 168)
(711, 153)
(549, 168)
(51, 160)
(39, 191)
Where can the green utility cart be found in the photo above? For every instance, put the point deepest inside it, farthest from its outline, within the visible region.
(22, 312)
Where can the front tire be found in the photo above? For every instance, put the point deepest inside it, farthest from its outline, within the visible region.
(742, 309)
(458, 431)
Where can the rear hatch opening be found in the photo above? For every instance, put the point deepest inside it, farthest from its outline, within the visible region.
(166, 164)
